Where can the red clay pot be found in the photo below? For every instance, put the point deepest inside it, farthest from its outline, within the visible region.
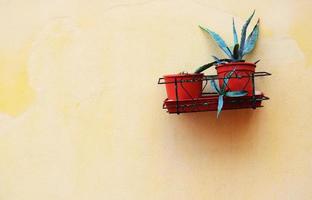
(189, 86)
(237, 83)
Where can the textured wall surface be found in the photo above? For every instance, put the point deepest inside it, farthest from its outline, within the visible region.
(80, 110)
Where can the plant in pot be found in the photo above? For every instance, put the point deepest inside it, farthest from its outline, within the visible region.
(223, 91)
(184, 86)
(241, 79)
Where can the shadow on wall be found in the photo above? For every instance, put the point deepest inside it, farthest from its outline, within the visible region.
(234, 131)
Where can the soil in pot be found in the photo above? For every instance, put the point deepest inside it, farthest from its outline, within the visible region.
(189, 86)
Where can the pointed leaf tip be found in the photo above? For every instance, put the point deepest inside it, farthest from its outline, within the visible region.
(220, 105)
(235, 38)
(243, 35)
(221, 43)
(252, 39)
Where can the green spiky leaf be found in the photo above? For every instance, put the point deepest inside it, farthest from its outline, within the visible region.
(243, 35)
(226, 80)
(252, 39)
(215, 86)
(239, 93)
(219, 41)
(220, 105)
(216, 58)
(204, 67)
(236, 52)
(235, 34)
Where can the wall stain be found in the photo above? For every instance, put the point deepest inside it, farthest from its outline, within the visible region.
(301, 35)
(15, 92)
(301, 31)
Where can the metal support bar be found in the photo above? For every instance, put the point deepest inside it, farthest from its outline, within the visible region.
(253, 92)
(176, 92)
(213, 77)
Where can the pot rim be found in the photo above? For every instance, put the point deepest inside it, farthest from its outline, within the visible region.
(236, 63)
(183, 75)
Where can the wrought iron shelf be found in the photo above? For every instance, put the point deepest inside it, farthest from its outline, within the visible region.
(209, 101)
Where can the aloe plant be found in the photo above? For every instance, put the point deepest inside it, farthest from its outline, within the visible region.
(222, 91)
(239, 50)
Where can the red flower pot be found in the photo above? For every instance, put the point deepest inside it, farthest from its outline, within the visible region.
(189, 86)
(241, 78)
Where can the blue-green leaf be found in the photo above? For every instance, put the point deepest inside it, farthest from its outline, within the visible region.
(252, 39)
(243, 35)
(220, 105)
(235, 34)
(226, 80)
(204, 67)
(215, 86)
(236, 51)
(216, 58)
(239, 93)
(219, 41)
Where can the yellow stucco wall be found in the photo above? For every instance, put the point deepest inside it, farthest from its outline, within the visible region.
(81, 113)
